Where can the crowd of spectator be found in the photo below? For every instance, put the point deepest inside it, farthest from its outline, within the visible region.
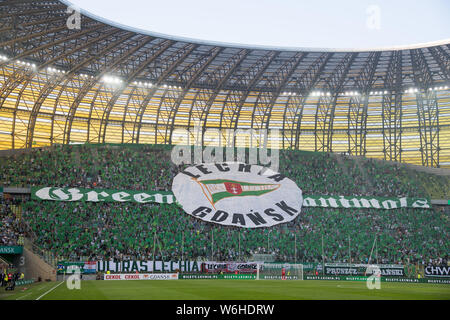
(103, 231)
(147, 167)
(131, 167)
(76, 230)
(11, 229)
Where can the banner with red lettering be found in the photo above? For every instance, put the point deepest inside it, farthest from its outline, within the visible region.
(229, 267)
(141, 276)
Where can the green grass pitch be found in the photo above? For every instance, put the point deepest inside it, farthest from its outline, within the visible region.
(227, 290)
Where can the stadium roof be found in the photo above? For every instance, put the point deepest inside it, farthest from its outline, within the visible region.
(108, 83)
(238, 45)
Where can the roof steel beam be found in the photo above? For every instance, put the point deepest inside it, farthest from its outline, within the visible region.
(392, 110)
(235, 99)
(358, 106)
(171, 63)
(284, 72)
(163, 115)
(201, 66)
(56, 80)
(153, 54)
(427, 111)
(326, 105)
(443, 61)
(304, 84)
(201, 105)
(20, 77)
(104, 68)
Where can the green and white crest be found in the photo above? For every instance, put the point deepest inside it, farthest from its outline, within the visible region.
(237, 194)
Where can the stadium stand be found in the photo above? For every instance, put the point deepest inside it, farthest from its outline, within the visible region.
(100, 106)
(11, 230)
(145, 167)
(113, 231)
(116, 231)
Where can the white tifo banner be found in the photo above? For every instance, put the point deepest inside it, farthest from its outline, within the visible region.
(150, 266)
(237, 194)
(141, 276)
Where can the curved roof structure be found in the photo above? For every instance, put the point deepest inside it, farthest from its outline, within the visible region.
(93, 81)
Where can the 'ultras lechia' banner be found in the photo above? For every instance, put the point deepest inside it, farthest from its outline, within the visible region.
(237, 194)
(100, 195)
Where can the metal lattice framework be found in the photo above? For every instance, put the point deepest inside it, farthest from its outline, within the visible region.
(102, 83)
